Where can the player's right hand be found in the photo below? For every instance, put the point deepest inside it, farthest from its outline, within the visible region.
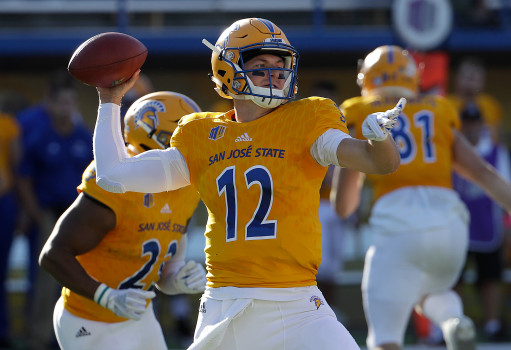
(189, 279)
(126, 303)
(116, 93)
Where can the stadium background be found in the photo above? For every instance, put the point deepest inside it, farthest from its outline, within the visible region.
(38, 36)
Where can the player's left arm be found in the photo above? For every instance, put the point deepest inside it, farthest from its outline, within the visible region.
(379, 153)
(370, 157)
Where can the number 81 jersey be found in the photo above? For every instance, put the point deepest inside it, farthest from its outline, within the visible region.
(423, 133)
(261, 185)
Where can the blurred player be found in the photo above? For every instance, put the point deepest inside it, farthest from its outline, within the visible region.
(108, 250)
(487, 228)
(258, 169)
(419, 224)
(469, 85)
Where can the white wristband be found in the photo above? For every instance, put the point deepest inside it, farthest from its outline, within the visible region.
(101, 294)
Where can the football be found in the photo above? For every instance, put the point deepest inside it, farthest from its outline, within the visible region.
(107, 59)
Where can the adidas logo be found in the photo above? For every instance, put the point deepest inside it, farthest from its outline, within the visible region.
(202, 307)
(166, 209)
(243, 137)
(82, 332)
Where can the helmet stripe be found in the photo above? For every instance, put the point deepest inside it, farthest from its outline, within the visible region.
(191, 103)
(268, 25)
(390, 56)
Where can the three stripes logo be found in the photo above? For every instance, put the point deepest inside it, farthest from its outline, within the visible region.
(166, 209)
(243, 137)
(217, 132)
(82, 332)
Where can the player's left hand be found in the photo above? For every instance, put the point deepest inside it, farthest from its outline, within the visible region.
(190, 279)
(377, 125)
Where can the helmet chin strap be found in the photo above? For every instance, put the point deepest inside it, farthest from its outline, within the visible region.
(211, 46)
(132, 151)
(267, 100)
(150, 133)
(261, 101)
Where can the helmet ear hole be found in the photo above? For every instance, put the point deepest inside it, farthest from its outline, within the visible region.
(221, 72)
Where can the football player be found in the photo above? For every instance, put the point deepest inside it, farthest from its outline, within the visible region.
(258, 168)
(110, 250)
(420, 226)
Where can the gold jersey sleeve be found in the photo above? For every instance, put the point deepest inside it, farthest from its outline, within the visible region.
(9, 130)
(424, 135)
(148, 232)
(260, 184)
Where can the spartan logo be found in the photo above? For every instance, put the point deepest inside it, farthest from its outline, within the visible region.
(148, 114)
(317, 301)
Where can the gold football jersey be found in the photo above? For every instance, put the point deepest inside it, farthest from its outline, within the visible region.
(260, 184)
(149, 229)
(490, 108)
(424, 135)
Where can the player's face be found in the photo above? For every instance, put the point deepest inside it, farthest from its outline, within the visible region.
(264, 77)
(470, 79)
(64, 104)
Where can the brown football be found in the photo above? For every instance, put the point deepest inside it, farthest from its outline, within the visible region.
(107, 59)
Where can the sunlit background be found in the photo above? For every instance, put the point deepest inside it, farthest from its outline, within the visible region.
(39, 36)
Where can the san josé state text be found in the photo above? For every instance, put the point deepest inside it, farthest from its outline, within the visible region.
(247, 152)
(161, 226)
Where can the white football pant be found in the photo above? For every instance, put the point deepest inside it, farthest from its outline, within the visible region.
(75, 333)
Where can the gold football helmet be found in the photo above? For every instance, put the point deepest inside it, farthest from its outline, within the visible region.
(389, 70)
(243, 40)
(151, 120)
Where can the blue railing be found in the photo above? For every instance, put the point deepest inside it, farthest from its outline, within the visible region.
(45, 27)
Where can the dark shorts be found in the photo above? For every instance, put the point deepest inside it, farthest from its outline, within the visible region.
(489, 265)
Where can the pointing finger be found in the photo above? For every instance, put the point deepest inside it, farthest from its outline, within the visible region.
(401, 104)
